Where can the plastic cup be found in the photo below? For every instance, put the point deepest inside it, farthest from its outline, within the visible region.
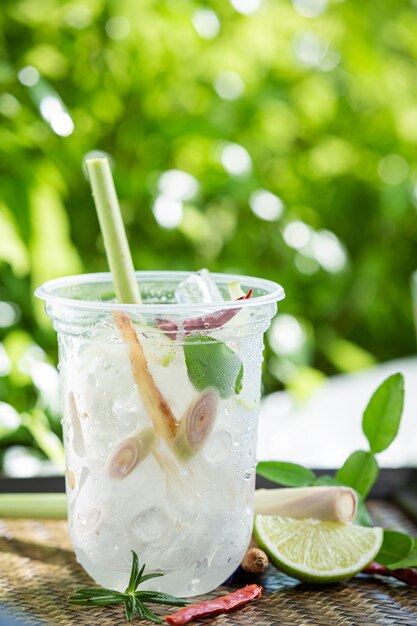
(160, 404)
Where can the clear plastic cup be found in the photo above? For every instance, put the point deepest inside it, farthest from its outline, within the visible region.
(160, 404)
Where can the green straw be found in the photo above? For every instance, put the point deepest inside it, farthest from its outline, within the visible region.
(112, 228)
(33, 505)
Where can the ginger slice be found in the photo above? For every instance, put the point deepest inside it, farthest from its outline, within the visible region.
(159, 411)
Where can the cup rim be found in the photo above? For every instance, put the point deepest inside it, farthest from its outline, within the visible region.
(275, 292)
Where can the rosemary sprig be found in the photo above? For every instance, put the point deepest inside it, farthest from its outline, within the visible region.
(133, 600)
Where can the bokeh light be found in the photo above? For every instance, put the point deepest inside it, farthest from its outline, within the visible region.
(52, 110)
(310, 8)
(297, 234)
(118, 27)
(247, 7)
(235, 159)
(178, 185)
(168, 211)
(266, 205)
(393, 169)
(28, 76)
(207, 23)
(9, 314)
(286, 335)
(229, 85)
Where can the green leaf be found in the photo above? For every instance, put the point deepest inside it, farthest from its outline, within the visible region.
(149, 576)
(138, 607)
(359, 471)
(210, 363)
(382, 416)
(151, 616)
(133, 580)
(327, 481)
(409, 561)
(90, 592)
(287, 474)
(395, 547)
(133, 600)
(159, 597)
(362, 517)
(97, 599)
(239, 381)
(129, 608)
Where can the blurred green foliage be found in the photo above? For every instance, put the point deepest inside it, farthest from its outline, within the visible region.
(311, 101)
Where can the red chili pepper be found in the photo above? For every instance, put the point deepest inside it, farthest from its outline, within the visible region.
(407, 575)
(218, 605)
(247, 296)
(208, 322)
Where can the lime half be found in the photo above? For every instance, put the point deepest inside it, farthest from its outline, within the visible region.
(316, 551)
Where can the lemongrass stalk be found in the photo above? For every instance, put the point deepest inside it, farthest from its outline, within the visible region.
(323, 503)
(112, 228)
(127, 291)
(33, 505)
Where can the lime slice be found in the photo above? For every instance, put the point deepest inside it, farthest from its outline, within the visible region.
(316, 551)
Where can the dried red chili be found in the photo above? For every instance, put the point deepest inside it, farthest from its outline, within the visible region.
(407, 575)
(218, 605)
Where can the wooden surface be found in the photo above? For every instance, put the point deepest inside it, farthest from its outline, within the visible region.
(38, 571)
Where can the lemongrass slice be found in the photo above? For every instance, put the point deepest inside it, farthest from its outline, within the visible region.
(71, 480)
(323, 503)
(196, 425)
(77, 434)
(235, 290)
(156, 405)
(130, 453)
(89, 518)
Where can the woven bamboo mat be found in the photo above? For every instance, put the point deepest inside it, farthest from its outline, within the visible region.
(38, 570)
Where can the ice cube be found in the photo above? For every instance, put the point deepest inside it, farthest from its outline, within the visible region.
(230, 538)
(188, 547)
(104, 399)
(150, 525)
(218, 447)
(198, 288)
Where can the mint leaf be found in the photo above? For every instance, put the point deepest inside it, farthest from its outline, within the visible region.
(382, 416)
(395, 547)
(359, 471)
(287, 474)
(210, 363)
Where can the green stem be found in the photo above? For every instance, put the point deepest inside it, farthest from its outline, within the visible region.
(33, 505)
(37, 424)
(113, 231)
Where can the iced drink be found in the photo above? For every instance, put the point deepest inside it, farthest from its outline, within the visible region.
(160, 403)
